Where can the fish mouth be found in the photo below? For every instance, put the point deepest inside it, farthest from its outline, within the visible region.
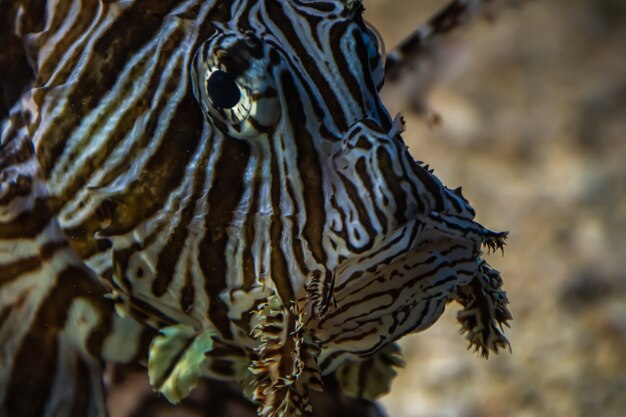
(404, 286)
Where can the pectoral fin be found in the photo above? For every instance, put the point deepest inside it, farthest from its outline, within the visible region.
(176, 358)
(53, 315)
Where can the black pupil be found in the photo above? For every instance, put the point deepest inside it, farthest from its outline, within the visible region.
(223, 90)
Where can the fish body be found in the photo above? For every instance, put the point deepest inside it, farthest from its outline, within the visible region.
(220, 185)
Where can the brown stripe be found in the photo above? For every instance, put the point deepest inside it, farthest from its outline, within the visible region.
(392, 181)
(249, 232)
(351, 80)
(37, 41)
(223, 199)
(278, 264)
(29, 223)
(362, 212)
(163, 173)
(17, 147)
(366, 179)
(4, 314)
(170, 254)
(10, 272)
(144, 105)
(20, 187)
(110, 54)
(53, 65)
(96, 339)
(309, 171)
(32, 376)
(188, 292)
(16, 71)
(82, 396)
(35, 363)
(311, 66)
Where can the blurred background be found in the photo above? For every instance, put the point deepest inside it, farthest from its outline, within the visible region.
(532, 101)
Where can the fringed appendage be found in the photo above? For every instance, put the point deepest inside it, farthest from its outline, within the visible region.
(485, 311)
(494, 241)
(319, 295)
(286, 365)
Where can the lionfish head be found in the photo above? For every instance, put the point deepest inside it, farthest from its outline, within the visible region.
(372, 243)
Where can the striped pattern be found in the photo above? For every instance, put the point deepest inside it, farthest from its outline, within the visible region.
(295, 225)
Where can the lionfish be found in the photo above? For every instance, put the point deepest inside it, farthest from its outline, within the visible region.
(215, 189)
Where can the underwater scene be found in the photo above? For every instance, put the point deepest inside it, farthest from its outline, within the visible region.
(317, 208)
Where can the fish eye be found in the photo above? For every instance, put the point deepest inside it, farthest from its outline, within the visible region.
(223, 90)
(233, 82)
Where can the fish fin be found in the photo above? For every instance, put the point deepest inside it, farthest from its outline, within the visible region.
(484, 311)
(53, 315)
(371, 378)
(176, 358)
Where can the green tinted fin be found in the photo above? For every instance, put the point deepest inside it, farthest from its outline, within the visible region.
(176, 358)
